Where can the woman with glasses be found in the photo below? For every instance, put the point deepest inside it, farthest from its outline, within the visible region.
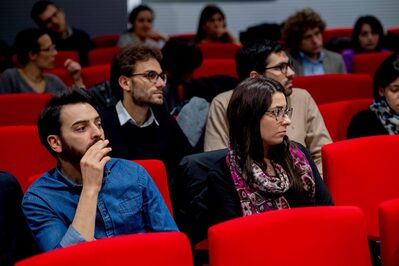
(263, 169)
(382, 116)
(36, 53)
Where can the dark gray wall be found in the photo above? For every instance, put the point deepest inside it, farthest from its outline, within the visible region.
(94, 16)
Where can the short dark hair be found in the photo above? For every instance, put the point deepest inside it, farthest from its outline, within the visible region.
(25, 42)
(376, 27)
(296, 25)
(255, 57)
(49, 122)
(249, 102)
(386, 73)
(206, 14)
(136, 11)
(124, 64)
(38, 8)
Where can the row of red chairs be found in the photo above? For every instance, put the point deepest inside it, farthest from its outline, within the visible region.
(349, 170)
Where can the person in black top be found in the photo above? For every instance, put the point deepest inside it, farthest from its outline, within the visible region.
(382, 116)
(48, 16)
(138, 126)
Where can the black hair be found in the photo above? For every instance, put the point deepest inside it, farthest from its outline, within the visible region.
(25, 42)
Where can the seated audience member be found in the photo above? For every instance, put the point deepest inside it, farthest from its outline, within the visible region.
(382, 117)
(212, 27)
(35, 53)
(303, 34)
(267, 58)
(16, 241)
(88, 195)
(263, 169)
(141, 20)
(367, 36)
(48, 16)
(139, 126)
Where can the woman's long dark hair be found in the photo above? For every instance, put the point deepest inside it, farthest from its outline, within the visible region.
(249, 102)
(375, 26)
(206, 14)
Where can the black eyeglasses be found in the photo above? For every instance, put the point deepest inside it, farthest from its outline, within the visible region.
(283, 67)
(152, 76)
(279, 113)
(50, 19)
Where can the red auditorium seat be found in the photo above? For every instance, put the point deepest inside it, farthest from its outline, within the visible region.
(311, 236)
(369, 62)
(22, 153)
(150, 249)
(361, 172)
(102, 56)
(95, 74)
(63, 74)
(394, 30)
(337, 115)
(219, 50)
(213, 66)
(331, 33)
(389, 229)
(108, 40)
(62, 56)
(335, 87)
(21, 108)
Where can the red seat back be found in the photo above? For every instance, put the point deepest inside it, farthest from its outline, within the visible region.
(337, 115)
(108, 40)
(62, 56)
(102, 56)
(368, 63)
(21, 108)
(219, 50)
(361, 172)
(151, 249)
(331, 33)
(216, 66)
(156, 169)
(389, 229)
(310, 236)
(22, 153)
(63, 74)
(95, 74)
(336, 87)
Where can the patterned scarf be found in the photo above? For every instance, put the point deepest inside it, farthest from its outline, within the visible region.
(388, 118)
(265, 192)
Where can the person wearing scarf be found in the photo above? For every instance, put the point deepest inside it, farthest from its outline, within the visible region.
(382, 116)
(263, 169)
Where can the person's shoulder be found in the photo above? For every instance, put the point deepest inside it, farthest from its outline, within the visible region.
(79, 32)
(9, 72)
(299, 94)
(332, 54)
(223, 97)
(41, 183)
(364, 116)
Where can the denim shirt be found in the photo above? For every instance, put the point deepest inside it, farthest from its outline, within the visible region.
(312, 67)
(128, 202)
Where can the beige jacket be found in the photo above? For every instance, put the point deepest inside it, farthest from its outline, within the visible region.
(307, 125)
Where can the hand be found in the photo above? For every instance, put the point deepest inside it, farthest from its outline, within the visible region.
(156, 36)
(92, 165)
(74, 70)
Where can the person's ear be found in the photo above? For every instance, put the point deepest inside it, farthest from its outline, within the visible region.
(381, 92)
(253, 74)
(55, 143)
(125, 83)
(33, 55)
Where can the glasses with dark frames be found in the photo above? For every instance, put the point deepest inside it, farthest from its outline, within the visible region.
(152, 76)
(283, 67)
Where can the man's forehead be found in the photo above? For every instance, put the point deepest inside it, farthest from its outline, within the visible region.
(275, 58)
(71, 113)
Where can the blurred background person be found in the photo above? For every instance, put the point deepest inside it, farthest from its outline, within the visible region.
(303, 34)
(141, 20)
(382, 117)
(212, 27)
(48, 16)
(367, 36)
(35, 53)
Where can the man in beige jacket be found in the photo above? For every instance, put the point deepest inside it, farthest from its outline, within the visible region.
(269, 59)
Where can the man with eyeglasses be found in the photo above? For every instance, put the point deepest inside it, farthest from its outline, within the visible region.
(139, 126)
(268, 58)
(48, 16)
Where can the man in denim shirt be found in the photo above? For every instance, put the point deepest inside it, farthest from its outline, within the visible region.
(88, 195)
